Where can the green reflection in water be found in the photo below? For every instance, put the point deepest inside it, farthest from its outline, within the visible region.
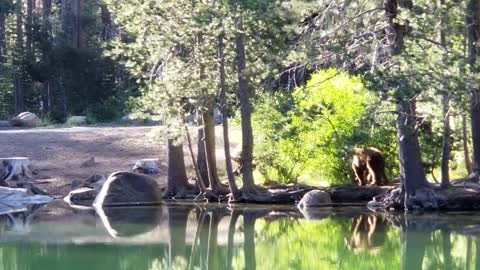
(189, 237)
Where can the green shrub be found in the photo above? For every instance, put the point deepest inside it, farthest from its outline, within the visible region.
(309, 135)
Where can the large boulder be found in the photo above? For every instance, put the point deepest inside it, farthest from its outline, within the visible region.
(26, 119)
(77, 120)
(315, 198)
(127, 188)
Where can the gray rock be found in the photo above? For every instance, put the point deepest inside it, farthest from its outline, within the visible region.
(127, 188)
(147, 166)
(88, 163)
(95, 181)
(315, 198)
(77, 120)
(26, 119)
(81, 197)
(133, 119)
(77, 183)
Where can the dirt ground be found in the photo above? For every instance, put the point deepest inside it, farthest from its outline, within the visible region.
(59, 153)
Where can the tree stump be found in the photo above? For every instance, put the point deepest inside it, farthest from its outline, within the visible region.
(147, 166)
(15, 168)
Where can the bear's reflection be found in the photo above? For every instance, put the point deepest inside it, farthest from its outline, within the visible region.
(369, 233)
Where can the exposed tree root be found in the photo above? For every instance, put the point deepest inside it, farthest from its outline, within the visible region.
(471, 180)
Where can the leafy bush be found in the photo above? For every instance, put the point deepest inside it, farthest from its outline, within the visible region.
(310, 134)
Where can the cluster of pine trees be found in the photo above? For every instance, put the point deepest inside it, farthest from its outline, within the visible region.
(53, 61)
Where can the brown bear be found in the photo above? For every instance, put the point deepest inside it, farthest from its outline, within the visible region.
(369, 166)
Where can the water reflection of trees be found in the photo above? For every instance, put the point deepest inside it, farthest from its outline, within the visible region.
(212, 237)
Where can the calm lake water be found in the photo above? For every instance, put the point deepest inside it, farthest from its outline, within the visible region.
(219, 237)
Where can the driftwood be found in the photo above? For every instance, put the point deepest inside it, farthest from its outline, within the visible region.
(147, 166)
(15, 168)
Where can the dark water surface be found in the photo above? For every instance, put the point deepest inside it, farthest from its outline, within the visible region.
(222, 237)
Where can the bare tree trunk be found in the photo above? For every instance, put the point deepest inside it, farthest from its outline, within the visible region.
(411, 169)
(201, 153)
(18, 70)
(466, 150)
(3, 39)
(244, 97)
(446, 141)
(29, 29)
(226, 139)
(412, 172)
(81, 38)
(209, 132)
(177, 182)
(72, 11)
(446, 104)
(473, 37)
(47, 25)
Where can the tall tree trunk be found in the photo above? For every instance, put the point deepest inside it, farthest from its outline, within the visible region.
(177, 181)
(244, 97)
(29, 30)
(411, 169)
(473, 38)
(80, 31)
(466, 150)
(18, 59)
(445, 182)
(3, 39)
(415, 189)
(72, 11)
(47, 25)
(412, 172)
(226, 138)
(209, 141)
(201, 153)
